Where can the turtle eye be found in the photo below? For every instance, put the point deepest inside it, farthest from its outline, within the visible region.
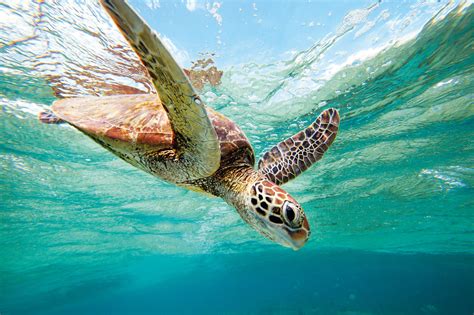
(291, 214)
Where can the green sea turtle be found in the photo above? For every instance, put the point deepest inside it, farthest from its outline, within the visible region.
(174, 136)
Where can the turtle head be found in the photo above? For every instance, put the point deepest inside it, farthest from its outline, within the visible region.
(276, 215)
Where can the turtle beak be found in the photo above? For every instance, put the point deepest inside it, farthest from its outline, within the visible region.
(298, 238)
(299, 242)
(294, 239)
(294, 244)
(283, 235)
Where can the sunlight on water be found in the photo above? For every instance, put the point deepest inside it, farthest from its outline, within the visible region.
(398, 179)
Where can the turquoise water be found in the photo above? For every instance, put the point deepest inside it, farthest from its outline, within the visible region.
(390, 204)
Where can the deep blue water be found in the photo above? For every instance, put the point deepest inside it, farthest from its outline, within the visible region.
(318, 282)
(390, 205)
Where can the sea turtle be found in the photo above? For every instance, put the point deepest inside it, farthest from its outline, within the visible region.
(176, 137)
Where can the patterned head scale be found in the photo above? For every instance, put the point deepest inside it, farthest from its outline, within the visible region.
(281, 217)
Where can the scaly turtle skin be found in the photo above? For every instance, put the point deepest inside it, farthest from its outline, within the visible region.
(176, 137)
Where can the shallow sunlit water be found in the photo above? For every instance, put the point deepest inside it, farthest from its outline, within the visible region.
(390, 204)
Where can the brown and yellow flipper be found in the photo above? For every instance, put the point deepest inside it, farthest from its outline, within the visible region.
(197, 142)
(296, 154)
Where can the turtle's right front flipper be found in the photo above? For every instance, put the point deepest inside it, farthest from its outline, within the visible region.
(196, 140)
(296, 154)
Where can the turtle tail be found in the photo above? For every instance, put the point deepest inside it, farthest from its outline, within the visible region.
(48, 117)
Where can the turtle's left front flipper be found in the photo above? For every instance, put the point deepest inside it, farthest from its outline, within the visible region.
(296, 154)
(196, 141)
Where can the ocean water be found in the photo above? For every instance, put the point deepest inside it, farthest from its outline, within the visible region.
(391, 204)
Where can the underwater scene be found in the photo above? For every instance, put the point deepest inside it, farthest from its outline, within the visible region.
(390, 205)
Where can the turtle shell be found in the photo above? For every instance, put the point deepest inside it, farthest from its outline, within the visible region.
(139, 123)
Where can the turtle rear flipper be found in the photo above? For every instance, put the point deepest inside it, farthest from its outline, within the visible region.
(48, 117)
(197, 144)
